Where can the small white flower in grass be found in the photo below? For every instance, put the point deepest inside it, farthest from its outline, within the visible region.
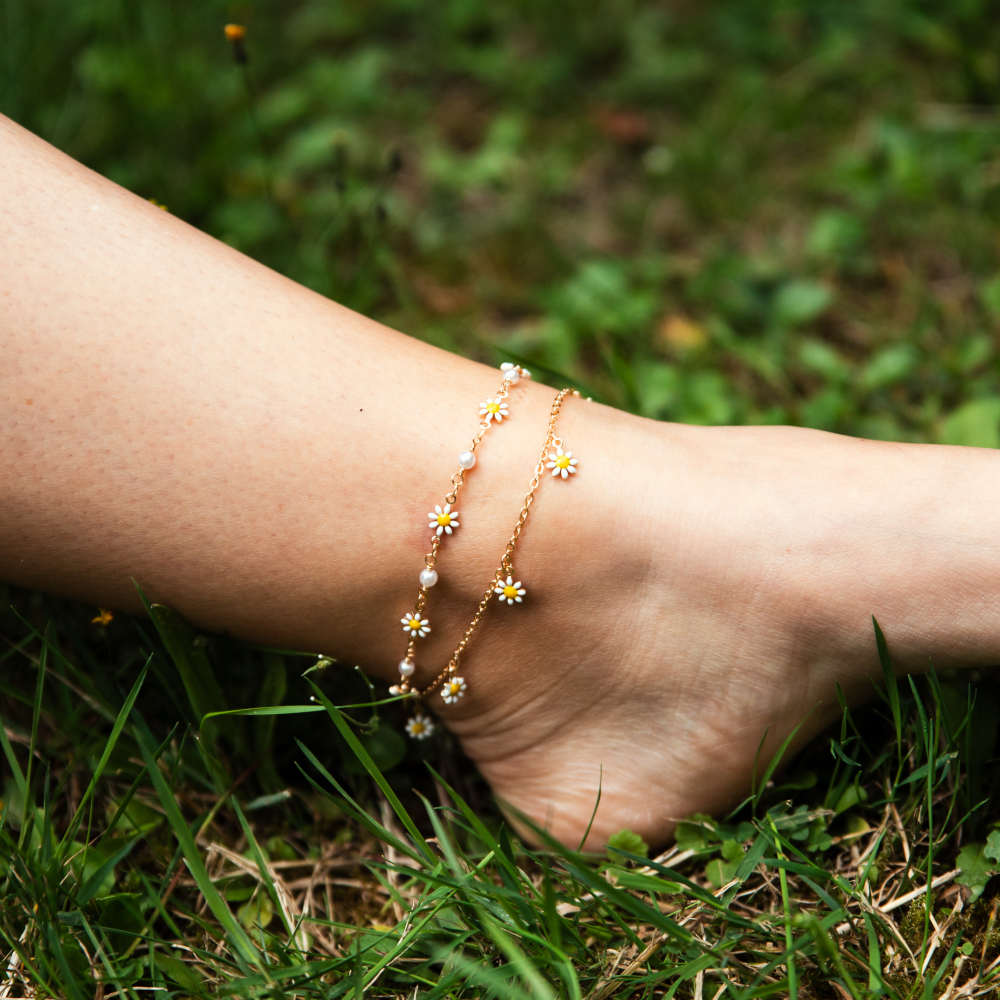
(415, 625)
(420, 726)
(443, 520)
(562, 463)
(494, 409)
(509, 591)
(453, 689)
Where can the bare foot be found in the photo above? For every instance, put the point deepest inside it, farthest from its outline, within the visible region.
(707, 603)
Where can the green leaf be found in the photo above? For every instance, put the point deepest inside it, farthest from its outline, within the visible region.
(387, 746)
(890, 365)
(732, 850)
(975, 869)
(179, 972)
(626, 840)
(256, 912)
(975, 423)
(824, 360)
(850, 797)
(719, 872)
(989, 294)
(992, 848)
(800, 301)
(695, 833)
(834, 235)
(121, 911)
(658, 386)
(97, 871)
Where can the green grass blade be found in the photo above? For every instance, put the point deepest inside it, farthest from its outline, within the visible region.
(273, 689)
(102, 763)
(263, 710)
(891, 688)
(89, 888)
(418, 853)
(359, 751)
(20, 779)
(485, 976)
(36, 711)
(487, 838)
(189, 659)
(265, 876)
(760, 784)
(790, 966)
(876, 985)
(517, 958)
(241, 942)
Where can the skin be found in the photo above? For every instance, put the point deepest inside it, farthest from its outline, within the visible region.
(263, 459)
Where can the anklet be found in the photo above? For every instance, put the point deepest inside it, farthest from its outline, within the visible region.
(504, 586)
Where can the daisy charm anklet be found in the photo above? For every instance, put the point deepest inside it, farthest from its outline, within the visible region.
(505, 587)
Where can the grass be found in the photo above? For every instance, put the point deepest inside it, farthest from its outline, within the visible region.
(777, 212)
(140, 853)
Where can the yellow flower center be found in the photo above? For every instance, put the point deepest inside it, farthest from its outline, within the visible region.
(414, 623)
(562, 462)
(509, 591)
(493, 407)
(444, 520)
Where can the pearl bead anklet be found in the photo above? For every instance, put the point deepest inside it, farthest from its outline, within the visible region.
(504, 586)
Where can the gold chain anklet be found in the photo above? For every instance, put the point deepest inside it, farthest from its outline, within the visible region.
(443, 520)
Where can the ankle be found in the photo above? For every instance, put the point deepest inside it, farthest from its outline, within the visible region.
(583, 559)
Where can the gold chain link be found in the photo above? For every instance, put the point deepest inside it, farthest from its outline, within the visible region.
(459, 477)
(506, 563)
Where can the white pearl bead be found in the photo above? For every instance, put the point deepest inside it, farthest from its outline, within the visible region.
(395, 689)
(406, 667)
(467, 460)
(428, 577)
(512, 375)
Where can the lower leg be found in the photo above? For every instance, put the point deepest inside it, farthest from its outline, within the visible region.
(264, 460)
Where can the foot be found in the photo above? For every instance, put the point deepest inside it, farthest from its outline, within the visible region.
(694, 618)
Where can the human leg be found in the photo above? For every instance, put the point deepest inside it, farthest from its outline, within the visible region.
(263, 460)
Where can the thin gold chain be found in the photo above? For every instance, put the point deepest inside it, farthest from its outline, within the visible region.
(506, 565)
(493, 411)
(457, 481)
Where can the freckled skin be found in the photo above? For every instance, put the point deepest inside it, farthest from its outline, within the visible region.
(177, 414)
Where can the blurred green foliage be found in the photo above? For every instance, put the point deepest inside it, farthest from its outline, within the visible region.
(783, 211)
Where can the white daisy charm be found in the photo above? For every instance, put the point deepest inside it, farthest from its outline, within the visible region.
(562, 463)
(443, 520)
(420, 726)
(512, 373)
(453, 689)
(509, 591)
(494, 409)
(415, 625)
